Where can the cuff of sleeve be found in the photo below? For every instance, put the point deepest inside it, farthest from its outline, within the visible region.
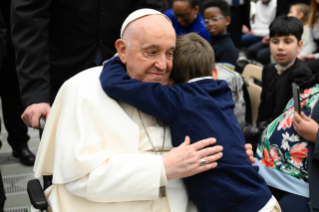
(316, 56)
(163, 179)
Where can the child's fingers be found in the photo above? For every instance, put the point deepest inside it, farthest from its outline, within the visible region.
(305, 117)
(297, 118)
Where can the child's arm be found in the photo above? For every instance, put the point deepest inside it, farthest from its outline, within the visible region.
(157, 100)
(301, 77)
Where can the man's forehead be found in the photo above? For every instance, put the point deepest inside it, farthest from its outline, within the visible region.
(139, 14)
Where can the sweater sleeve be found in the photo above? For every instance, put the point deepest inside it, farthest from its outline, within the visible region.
(160, 101)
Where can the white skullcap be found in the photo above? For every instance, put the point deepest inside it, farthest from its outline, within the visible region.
(139, 14)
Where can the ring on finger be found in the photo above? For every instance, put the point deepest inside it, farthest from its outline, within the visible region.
(203, 162)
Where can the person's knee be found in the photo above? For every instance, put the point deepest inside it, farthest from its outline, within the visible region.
(263, 56)
(292, 202)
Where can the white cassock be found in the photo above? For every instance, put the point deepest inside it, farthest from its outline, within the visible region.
(100, 156)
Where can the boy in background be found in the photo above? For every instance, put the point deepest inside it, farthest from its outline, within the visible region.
(198, 106)
(285, 44)
(217, 18)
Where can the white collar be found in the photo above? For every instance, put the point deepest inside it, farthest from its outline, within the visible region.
(199, 78)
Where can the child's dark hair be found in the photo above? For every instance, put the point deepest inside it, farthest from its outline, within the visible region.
(221, 4)
(193, 3)
(193, 57)
(284, 26)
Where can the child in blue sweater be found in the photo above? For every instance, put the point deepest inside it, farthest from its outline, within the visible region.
(200, 108)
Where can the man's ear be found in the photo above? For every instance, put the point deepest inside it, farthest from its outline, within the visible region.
(196, 9)
(215, 73)
(121, 50)
(228, 20)
(300, 44)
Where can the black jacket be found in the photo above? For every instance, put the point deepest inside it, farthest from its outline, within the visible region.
(56, 39)
(3, 32)
(277, 91)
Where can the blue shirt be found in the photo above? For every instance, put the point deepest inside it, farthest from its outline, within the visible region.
(200, 109)
(198, 26)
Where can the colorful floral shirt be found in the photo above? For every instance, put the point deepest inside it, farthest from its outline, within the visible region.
(281, 148)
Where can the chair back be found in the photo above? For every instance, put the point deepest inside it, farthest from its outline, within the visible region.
(250, 74)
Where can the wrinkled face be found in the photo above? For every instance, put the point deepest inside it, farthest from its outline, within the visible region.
(216, 27)
(285, 49)
(184, 13)
(149, 53)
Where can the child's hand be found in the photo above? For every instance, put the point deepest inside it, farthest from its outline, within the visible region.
(250, 153)
(306, 127)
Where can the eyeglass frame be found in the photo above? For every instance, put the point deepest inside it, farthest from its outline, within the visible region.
(186, 15)
(214, 19)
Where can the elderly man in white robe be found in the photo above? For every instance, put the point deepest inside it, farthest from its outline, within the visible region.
(108, 156)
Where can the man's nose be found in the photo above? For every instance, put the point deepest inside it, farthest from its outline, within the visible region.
(161, 63)
(179, 19)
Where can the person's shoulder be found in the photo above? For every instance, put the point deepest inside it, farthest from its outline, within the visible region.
(169, 13)
(269, 66)
(300, 66)
(85, 80)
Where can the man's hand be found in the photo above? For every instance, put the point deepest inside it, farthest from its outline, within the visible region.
(33, 112)
(184, 161)
(250, 153)
(266, 39)
(306, 127)
(246, 31)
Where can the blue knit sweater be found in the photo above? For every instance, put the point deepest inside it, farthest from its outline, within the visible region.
(199, 109)
(198, 26)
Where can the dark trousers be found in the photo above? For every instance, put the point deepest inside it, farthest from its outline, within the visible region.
(291, 202)
(259, 52)
(11, 103)
(236, 24)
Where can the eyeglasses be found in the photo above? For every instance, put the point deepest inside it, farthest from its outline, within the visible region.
(183, 15)
(214, 19)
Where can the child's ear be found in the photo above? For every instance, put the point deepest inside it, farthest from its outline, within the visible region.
(215, 73)
(121, 50)
(228, 20)
(300, 44)
(300, 15)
